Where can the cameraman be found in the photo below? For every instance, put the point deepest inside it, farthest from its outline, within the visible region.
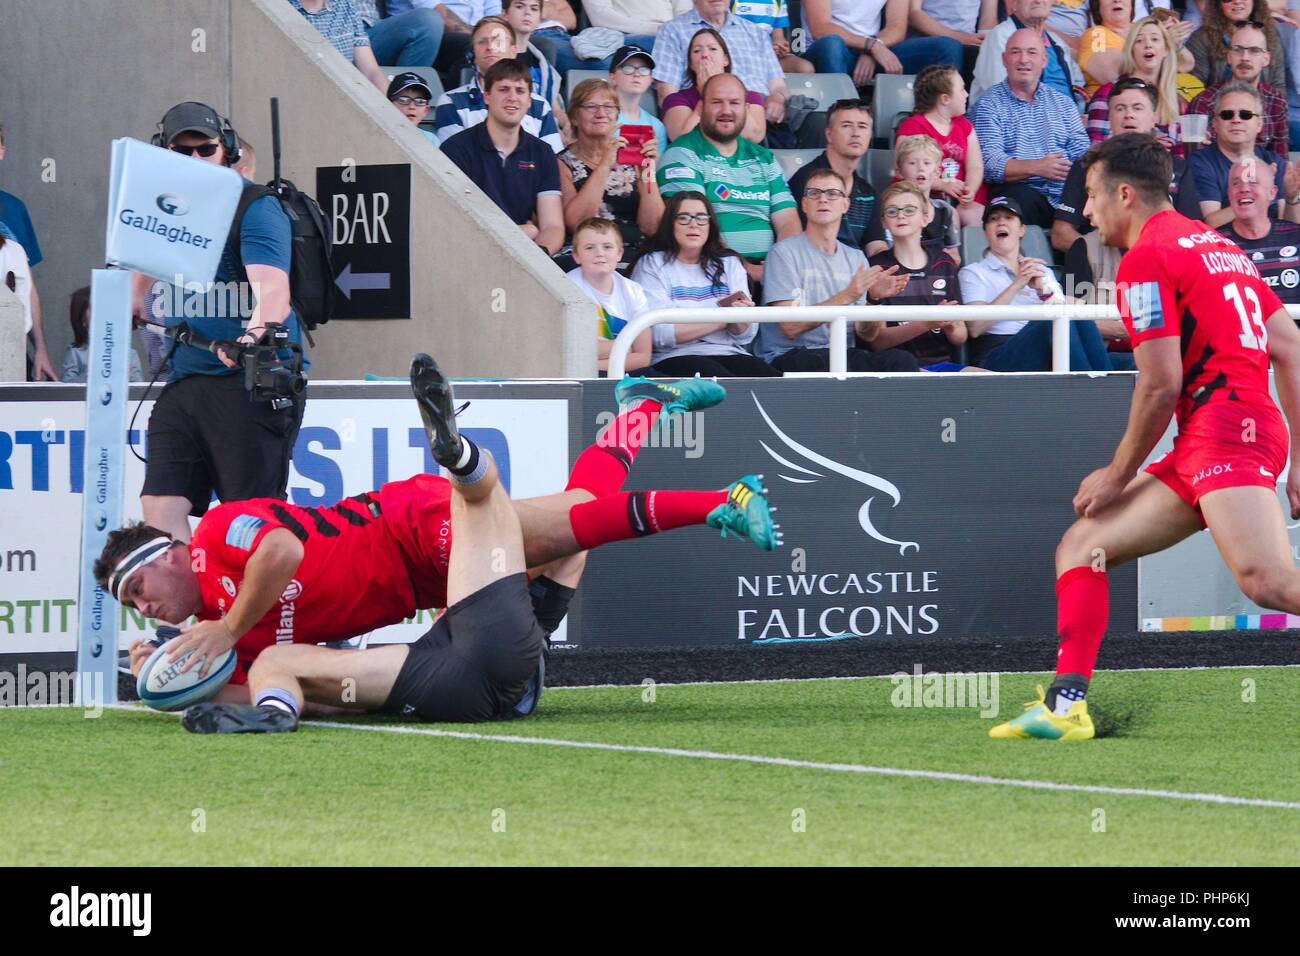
(206, 433)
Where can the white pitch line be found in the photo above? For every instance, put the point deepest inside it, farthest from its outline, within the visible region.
(815, 765)
(803, 680)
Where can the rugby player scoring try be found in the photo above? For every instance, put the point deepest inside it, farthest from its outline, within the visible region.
(273, 580)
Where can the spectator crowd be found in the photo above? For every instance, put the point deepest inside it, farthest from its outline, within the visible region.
(668, 177)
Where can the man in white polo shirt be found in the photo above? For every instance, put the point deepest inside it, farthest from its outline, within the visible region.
(1005, 277)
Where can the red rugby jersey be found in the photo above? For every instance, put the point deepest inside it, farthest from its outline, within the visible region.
(1183, 278)
(368, 561)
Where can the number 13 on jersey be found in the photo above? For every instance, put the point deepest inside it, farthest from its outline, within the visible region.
(1253, 334)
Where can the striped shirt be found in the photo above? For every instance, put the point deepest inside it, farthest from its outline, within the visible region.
(546, 78)
(745, 189)
(752, 57)
(1009, 128)
(767, 15)
(463, 107)
(339, 23)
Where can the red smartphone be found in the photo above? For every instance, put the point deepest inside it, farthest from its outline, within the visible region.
(631, 155)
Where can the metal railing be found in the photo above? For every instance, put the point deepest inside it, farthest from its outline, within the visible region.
(1059, 314)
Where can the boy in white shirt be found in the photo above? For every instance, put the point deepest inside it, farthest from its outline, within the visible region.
(598, 249)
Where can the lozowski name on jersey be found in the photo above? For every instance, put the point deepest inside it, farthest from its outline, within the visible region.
(1220, 261)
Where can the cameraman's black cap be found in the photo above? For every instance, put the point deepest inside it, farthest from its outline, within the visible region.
(190, 118)
(1001, 203)
(404, 81)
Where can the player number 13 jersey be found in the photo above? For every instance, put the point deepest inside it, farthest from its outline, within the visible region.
(1183, 278)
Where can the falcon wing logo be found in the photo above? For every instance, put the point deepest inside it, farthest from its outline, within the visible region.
(873, 482)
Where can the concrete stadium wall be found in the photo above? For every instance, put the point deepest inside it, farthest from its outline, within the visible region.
(79, 73)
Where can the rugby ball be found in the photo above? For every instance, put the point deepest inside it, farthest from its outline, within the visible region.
(162, 686)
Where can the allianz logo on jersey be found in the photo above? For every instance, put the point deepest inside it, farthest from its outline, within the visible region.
(1202, 238)
(810, 457)
(284, 632)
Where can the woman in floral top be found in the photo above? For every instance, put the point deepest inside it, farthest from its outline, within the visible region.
(592, 181)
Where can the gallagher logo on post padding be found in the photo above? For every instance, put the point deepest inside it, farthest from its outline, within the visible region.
(172, 204)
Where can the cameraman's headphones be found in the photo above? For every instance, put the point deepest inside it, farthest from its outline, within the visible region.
(226, 133)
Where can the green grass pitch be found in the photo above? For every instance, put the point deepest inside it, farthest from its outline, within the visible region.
(132, 788)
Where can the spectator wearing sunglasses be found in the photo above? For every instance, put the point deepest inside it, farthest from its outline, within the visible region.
(412, 97)
(1247, 58)
(1237, 121)
(205, 434)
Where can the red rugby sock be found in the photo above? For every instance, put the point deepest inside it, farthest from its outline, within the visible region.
(634, 514)
(603, 467)
(1082, 609)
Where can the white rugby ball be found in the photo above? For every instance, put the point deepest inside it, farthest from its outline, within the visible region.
(162, 686)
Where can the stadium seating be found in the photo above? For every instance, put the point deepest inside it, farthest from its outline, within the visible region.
(427, 73)
(825, 88)
(891, 103)
(648, 101)
(792, 159)
(1035, 244)
(878, 168)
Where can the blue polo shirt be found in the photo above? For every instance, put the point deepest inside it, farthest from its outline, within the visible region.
(222, 310)
(1211, 168)
(13, 213)
(512, 182)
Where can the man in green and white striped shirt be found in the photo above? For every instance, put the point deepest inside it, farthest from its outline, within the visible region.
(741, 180)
